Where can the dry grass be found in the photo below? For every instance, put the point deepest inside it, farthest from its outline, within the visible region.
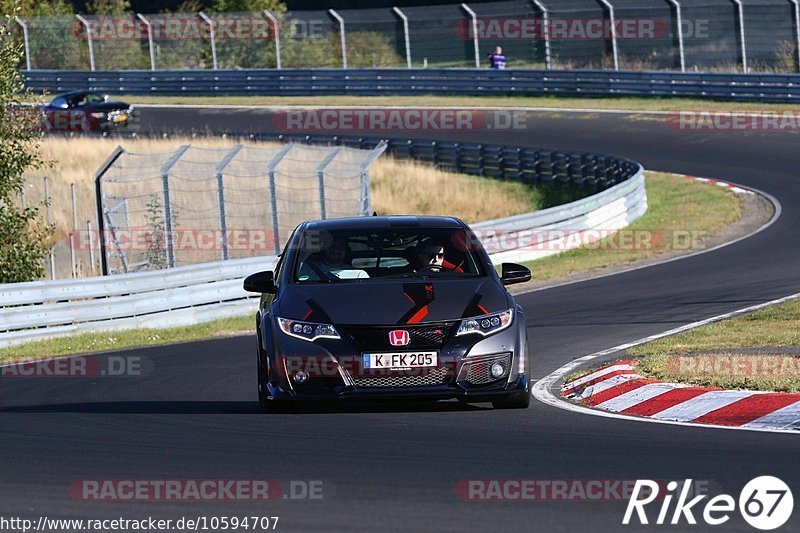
(406, 187)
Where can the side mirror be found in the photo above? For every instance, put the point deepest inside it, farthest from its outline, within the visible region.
(260, 282)
(514, 273)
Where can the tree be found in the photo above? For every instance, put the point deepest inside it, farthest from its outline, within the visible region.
(23, 236)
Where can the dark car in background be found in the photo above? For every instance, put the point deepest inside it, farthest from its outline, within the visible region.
(85, 111)
(379, 324)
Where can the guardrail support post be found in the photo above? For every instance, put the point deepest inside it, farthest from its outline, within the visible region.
(679, 24)
(546, 23)
(796, 29)
(26, 41)
(212, 35)
(612, 20)
(273, 194)
(98, 191)
(276, 29)
(88, 39)
(168, 221)
(223, 218)
(149, 40)
(475, 40)
(342, 36)
(740, 11)
(400, 14)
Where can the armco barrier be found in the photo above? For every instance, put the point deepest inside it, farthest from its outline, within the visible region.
(394, 81)
(198, 293)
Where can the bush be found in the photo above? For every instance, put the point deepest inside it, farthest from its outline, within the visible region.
(23, 239)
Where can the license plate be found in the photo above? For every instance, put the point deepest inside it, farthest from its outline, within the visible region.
(397, 360)
(120, 118)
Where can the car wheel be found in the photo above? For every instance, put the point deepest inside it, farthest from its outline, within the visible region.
(519, 400)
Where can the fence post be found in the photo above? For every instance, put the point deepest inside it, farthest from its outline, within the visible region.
(796, 29)
(273, 194)
(223, 219)
(475, 41)
(26, 41)
(91, 247)
(740, 11)
(342, 36)
(366, 200)
(612, 20)
(321, 179)
(48, 218)
(546, 22)
(98, 177)
(212, 35)
(276, 28)
(149, 39)
(168, 221)
(73, 233)
(679, 19)
(404, 18)
(88, 40)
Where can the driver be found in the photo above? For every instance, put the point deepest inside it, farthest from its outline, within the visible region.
(428, 252)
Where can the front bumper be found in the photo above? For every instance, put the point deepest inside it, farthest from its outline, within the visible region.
(334, 371)
(444, 392)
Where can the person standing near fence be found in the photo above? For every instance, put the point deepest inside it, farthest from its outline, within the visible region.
(497, 60)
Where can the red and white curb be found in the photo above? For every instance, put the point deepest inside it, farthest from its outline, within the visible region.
(618, 388)
(730, 186)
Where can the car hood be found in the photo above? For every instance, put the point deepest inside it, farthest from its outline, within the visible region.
(406, 301)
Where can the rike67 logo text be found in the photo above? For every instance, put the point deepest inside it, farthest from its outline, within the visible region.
(765, 503)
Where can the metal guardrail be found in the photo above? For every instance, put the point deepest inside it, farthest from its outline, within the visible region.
(594, 172)
(197, 293)
(393, 81)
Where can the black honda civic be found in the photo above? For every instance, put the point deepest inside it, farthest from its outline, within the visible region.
(393, 307)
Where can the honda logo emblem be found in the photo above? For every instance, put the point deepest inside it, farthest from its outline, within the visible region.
(399, 337)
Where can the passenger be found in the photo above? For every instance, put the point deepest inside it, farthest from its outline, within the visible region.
(332, 262)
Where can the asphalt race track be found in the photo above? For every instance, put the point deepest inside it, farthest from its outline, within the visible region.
(194, 413)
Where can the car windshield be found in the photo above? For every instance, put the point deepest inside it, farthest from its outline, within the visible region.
(342, 255)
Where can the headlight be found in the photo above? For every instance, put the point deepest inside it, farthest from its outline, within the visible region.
(486, 324)
(308, 331)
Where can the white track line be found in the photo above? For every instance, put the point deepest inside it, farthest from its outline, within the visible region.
(542, 388)
(279, 107)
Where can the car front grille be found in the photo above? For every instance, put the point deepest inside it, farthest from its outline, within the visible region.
(479, 371)
(423, 337)
(433, 377)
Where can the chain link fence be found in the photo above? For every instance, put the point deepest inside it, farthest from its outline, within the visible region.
(751, 35)
(195, 205)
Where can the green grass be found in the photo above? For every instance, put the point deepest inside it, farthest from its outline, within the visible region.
(675, 202)
(675, 205)
(771, 327)
(103, 342)
(638, 104)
